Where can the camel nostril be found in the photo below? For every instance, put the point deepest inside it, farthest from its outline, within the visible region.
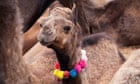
(47, 27)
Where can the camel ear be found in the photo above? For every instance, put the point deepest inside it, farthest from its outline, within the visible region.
(42, 21)
(73, 7)
(74, 15)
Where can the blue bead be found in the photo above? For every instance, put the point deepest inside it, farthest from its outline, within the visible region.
(73, 73)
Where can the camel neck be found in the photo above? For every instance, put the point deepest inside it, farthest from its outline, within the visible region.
(68, 58)
(75, 71)
(63, 58)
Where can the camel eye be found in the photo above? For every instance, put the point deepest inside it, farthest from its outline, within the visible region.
(40, 25)
(67, 29)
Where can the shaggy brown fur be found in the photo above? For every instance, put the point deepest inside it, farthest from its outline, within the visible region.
(13, 70)
(119, 18)
(64, 36)
(129, 73)
(56, 9)
(12, 67)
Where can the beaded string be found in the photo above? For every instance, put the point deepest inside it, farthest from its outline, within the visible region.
(73, 72)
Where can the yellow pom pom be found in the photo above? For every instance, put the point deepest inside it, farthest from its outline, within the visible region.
(55, 72)
(60, 74)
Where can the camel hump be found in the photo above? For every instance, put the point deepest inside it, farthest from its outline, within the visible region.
(95, 38)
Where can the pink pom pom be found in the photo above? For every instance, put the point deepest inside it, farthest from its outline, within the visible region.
(82, 63)
(77, 68)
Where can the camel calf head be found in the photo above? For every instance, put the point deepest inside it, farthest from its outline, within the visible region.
(58, 30)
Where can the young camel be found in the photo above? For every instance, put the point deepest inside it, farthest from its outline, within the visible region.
(63, 35)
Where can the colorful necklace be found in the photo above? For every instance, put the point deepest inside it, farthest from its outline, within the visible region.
(73, 72)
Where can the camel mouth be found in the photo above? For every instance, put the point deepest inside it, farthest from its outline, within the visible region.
(46, 43)
(46, 40)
